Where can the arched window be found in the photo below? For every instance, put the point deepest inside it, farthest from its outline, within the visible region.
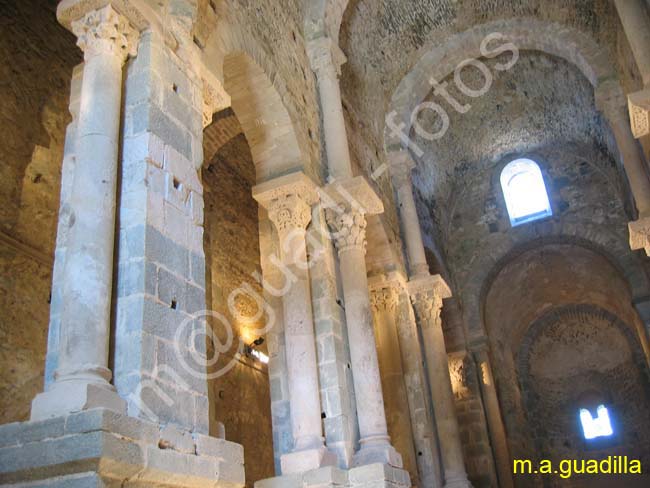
(599, 426)
(525, 193)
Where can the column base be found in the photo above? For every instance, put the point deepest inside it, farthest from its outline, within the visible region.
(370, 476)
(373, 452)
(67, 397)
(102, 448)
(306, 460)
(640, 234)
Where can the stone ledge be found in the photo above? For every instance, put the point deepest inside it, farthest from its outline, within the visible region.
(368, 476)
(98, 447)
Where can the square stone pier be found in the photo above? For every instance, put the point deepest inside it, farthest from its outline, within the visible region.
(368, 476)
(100, 448)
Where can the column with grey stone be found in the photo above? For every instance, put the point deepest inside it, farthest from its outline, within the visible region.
(288, 201)
(427, 293)
(611, 102)
(635, 17)
(82, 378)
(384, 296)
(350, 201)
(496, 428)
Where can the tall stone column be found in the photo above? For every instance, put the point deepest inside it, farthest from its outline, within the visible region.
(635, 18)
(82, 377)
(288, 200)
(354, 199)
(401, 168)
(326, 58)
(610, 100)
(497, 430)
(427, 294)
(384, 297)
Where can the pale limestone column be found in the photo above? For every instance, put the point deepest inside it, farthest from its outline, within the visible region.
(288, 200)
(635, 18)
(82, 377)
(497, 430)
(348, 203)
(384, 297)
(415, 377)
(610, 101)
(326, 58)
(401, 166)
(427, 294)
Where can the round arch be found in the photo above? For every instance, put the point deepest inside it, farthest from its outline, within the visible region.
(257, 95)
(525, 33)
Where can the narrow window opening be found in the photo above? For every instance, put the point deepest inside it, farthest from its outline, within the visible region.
(524, 191)
(600, 426)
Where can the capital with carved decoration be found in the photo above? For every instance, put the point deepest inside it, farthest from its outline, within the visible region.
(347, 203)
(427, 294)
(325, 56)
(640, 234)
(639, 107)
(105, 31)
(288, 200)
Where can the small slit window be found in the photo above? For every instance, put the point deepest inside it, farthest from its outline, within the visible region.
(524, 191)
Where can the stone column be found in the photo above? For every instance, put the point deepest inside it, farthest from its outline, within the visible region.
(400, 170)
(493, 413)
(353, 199)
(326, 58)
(610, 100)
(427, 294)
(636, 23)
(288, 200)
(384, 298)
(82, 377)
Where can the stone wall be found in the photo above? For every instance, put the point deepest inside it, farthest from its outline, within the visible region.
(37, 56)
(560, 374)
(239, 397)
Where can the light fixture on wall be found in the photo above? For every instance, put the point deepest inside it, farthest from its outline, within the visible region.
(251, 350)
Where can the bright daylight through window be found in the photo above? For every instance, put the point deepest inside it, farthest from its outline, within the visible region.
(524, 191)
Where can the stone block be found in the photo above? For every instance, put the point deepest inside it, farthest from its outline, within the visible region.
(219, 448)
(197, 268)
(166, 252)
(172, 437)
(22, 432)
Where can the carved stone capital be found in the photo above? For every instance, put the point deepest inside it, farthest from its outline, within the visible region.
(640, 234)
(384, 298)
(348, 228)
(427, 294)
(105, 31)
(639, 108)
(325, 56)
(288, 200)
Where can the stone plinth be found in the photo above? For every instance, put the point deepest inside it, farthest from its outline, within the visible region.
(368, 476)
(102, 448)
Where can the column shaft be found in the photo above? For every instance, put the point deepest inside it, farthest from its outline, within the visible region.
(632, 160)
(288, 200)
(636, 23)
(349, 226)
(82, 377)
(409, 217)
(427, 302)
(329, 91)
(495, 423)
(385, 298)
